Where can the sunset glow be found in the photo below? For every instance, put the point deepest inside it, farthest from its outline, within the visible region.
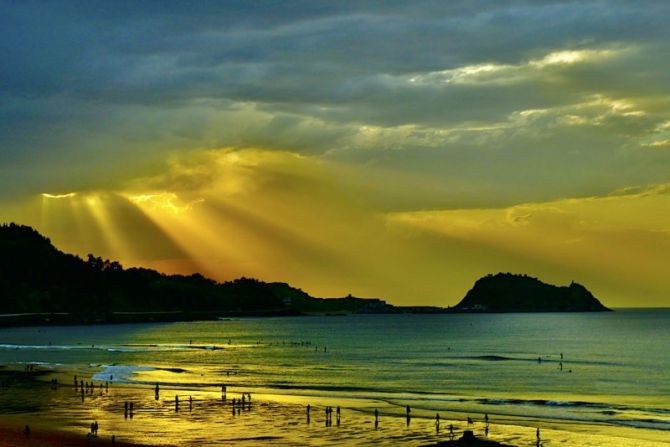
(379, 159)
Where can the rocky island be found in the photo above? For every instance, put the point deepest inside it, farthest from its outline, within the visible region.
(507, 292)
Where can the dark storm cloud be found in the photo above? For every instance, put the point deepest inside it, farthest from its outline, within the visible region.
(94, 84)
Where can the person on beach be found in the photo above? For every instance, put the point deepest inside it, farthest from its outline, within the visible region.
(131, 410)
(376, 418)
(26, 431)
(451, 432)
(338, 415)
(437, 422)
(125, 410)
(407, 412)
(537, 437)
(157, 391)
(176, 403)
(190, 403)
(309, 407)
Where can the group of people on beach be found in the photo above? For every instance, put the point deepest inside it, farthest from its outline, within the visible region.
(88, 388)
(244, 403)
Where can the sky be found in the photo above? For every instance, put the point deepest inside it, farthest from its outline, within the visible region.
(394, 149)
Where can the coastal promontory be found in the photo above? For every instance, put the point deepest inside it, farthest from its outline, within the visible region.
(507, 292)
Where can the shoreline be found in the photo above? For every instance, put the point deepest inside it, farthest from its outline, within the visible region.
(276, 417)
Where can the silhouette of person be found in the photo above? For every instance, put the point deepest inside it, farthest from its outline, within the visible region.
(376, 418)
(190, 403)
(308, 410)
(437, 422)
(338, 415)
(157, 391)
(26, 430)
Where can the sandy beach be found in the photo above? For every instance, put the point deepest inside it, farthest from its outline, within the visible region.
(13, 434)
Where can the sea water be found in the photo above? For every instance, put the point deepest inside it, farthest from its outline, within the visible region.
(600, 374)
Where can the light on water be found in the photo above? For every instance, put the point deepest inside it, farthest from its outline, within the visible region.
(587, 379)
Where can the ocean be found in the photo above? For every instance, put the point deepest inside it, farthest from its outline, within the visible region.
(585, 379)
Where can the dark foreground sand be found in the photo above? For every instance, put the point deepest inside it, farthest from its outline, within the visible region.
(13, 435)
(468, 440)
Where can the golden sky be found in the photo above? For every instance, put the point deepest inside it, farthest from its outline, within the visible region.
(387, 150)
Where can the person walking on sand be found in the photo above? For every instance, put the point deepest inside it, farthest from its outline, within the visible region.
(309, 407)
(437, 422)
(408, 411)
(190, 403)
(537, 437)
(157, 391)
(176, 403)
(338, 415)
(376, 418)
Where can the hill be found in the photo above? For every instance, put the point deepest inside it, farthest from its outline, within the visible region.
(506, 292)
(41, 284)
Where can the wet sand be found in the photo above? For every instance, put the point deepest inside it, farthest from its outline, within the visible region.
(58, 416)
